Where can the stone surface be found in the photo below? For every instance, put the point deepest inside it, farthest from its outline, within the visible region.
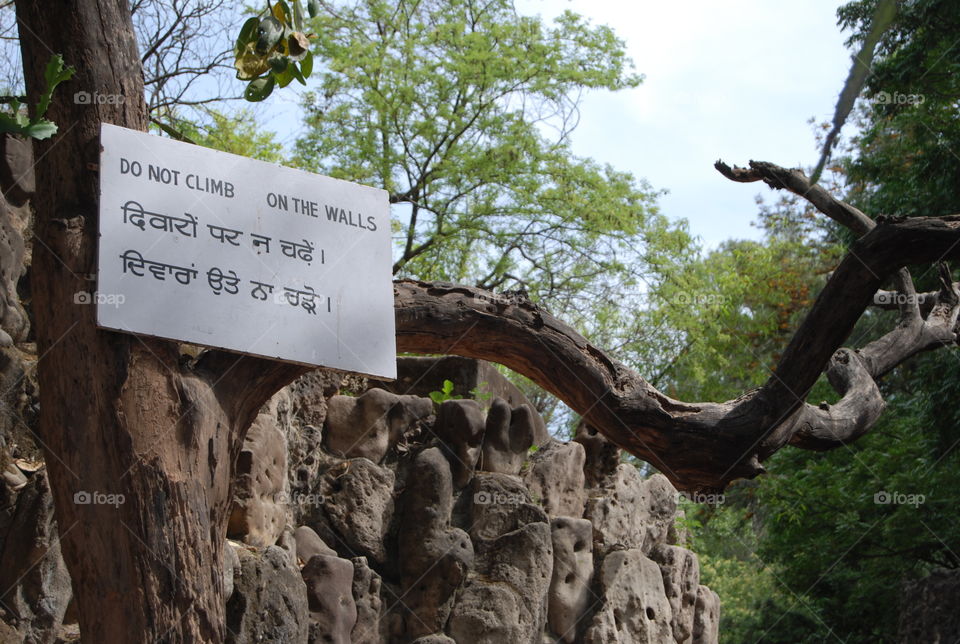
(554, 476)
(631, 512)
(260, 510)
(269, 602)
(570, 592)
(34, 581)
(635, 608)
(507, 439)
(369, 425)
(659, 508)
(437, 638)
(436, 556)
(681, 580)
(706, 618)
(14, 322)
(460, 427)
(17, 180)
(231, 566)
(471, 378)
(309, 544)
(498, 504)
(505, 598)
(357, 498)
(333, 611)
(601, 457)
(366, 595)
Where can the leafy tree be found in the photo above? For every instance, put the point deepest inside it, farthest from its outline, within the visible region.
(462, 110)
(901, 164)
(236, 133)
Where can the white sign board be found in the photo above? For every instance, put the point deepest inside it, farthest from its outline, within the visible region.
(220, 250)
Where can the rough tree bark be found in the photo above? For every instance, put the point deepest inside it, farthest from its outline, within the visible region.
(121, 414)
(128, 415)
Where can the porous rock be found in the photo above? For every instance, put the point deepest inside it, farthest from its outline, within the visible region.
(460, 427)
(706, 617)
(554, 476)
(631, 512)
(508, 436)
(601, 457)
(570, 592)
(369, 425)
(357, 498)
(333, 611)
(269, 601)
(309, 544)
(681, 580)
(635, 608)
(366, 595)
(34, 581)
(260, 509)
(436, 556)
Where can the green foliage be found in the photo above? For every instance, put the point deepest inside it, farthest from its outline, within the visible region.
(445, 393)
(461, 110)
(818, 521)
(37, 127)
(236, 133)
(272, 49)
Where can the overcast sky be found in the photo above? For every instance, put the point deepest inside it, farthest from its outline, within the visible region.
(735, 80)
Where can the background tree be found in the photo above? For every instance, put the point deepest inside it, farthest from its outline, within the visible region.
(901, 163)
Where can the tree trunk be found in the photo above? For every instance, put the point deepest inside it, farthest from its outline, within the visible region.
(121, 415)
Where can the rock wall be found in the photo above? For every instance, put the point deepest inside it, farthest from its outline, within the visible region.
(411, 522)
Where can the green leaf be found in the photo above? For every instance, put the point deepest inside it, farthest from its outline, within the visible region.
(9, 124)
(41, 129)
(248, 34)
(281, 12)
(297, 15)
(278, 64)
(54, 74)
(259, 89)
(306, 65)
(313, 8)
(296, 73)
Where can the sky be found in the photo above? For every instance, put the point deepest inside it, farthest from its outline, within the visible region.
(735, 80)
